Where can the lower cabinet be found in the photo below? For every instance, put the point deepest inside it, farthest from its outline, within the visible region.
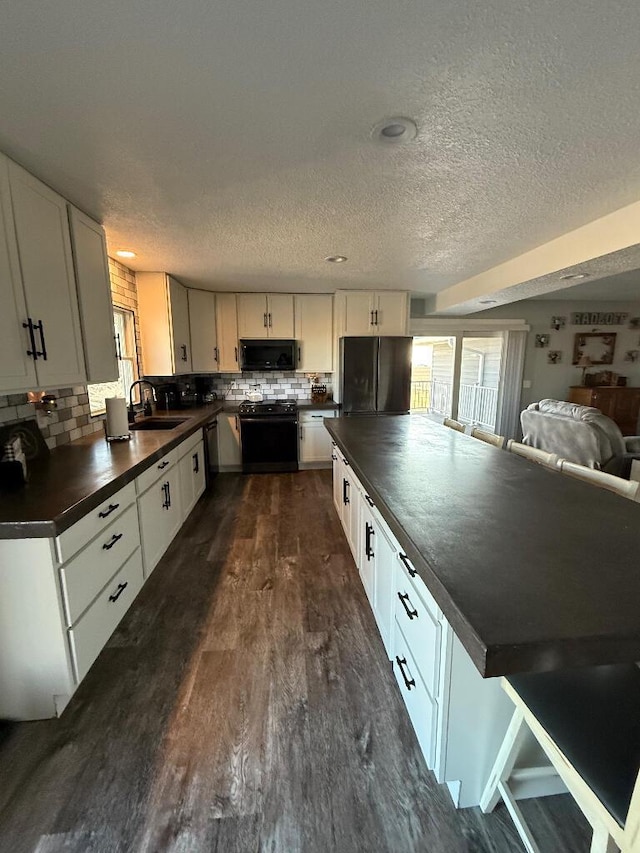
(61, 599)
(160, 514)
(229, 447)
(192, 475)
(459, 718)
(314, 441)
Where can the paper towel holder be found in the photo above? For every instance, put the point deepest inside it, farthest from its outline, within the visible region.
(116, 420)
(110, 438)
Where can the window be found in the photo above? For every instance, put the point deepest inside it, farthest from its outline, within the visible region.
(124, 331)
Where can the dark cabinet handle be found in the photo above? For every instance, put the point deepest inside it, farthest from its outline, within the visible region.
(183, 347)
(237, 425)
(33, 352)
(264, 319)
(111, 508)
(376, 313)
(368, 500)
(345, 491)
(236, 352)
(369, 532)
(371, 323)
(301, 433)
(121, 588)
(344, 461)
(270, 323)
(404, 598)
(405, 562)
(299, 355)
(115, 538)
(409, 682)
(167, 496)
(196, 463)
(317, 416)
(163, 464)
(40, 327)
(215, 354)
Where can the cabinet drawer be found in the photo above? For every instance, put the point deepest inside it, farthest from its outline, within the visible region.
(316, 416)
(94, 522)
(159, 468)
(410, 578)
(85, 575)
(421, 707)
(422, 634)
(89, 635)
(189, 444)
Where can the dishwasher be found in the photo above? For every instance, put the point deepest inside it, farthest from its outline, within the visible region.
(211, 449)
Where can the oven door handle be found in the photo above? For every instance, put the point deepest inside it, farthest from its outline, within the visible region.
(268, 419)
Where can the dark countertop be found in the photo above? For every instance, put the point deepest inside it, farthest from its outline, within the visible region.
(79, 476)
(532, 569)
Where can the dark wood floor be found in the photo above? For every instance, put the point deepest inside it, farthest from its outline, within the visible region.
(246, 704)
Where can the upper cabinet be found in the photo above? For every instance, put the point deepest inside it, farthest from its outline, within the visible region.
(371, 312)
(163, 313)
(51, 326)
(17, 366)
(94, 297)
(314, 332)
(204, 338)
(265, 315)
(227, 332)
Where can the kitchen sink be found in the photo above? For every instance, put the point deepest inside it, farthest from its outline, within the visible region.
(158, 423)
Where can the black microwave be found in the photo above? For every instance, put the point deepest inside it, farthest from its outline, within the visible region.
(268, 355)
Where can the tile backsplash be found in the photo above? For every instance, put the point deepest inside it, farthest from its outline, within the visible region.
(70, 420)
(273, 385)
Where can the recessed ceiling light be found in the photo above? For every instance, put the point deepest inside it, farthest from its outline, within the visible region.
(336, 259)
(488, 301)
(394, 130)
(125, 253)
(573, 275)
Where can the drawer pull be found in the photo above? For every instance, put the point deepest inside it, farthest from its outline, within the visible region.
(404, 598)
(111, 508)
(115, 538)
(317, 416)
(334, 457)
(409, 682)
(407, 564)
(368, 500)
(163, 464)
(345, 491)
(167, 496)
(121, 588)
(196, 463)
(368, 533)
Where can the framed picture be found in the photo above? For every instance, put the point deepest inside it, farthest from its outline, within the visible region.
(597, 345)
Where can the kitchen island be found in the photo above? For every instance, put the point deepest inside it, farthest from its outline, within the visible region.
(532, 570)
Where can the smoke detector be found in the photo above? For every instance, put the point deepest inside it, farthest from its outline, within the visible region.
(395, 130)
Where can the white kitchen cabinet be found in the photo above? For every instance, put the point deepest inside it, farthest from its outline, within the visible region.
(46, 266)
(94, 296)
(17, 368)
(160, 514)
(336, 460)
(315, 442)
(371, 312)
(265, 315)
(229, 447)
(349, 498)
(204, 336)
(163, 314)
(227, 332)
(192, 473)
(314, 332)
(368, 546)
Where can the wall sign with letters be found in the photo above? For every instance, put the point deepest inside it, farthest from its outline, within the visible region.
(598, 318)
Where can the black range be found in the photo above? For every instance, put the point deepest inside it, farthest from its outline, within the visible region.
(269, 435)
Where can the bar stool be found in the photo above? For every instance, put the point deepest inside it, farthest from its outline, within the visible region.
(449, 422)
(534, 454)
(625, 488)
(488, 437)
(587, 721)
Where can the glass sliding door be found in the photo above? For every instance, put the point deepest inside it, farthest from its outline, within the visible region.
(432, 375)
(479, 385)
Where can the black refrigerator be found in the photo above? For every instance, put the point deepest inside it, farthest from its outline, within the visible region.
(375, 375)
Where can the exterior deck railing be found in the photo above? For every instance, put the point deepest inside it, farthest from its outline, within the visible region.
(477, 404)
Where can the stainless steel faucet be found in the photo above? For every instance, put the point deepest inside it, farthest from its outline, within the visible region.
(132, 413)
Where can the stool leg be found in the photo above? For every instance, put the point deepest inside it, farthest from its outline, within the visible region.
(602, 842)
(506, 758)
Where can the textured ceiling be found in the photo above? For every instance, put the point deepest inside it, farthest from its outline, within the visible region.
(623, 287)
(229, 142)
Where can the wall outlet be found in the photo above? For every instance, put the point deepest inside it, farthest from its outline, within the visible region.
(526, 383)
